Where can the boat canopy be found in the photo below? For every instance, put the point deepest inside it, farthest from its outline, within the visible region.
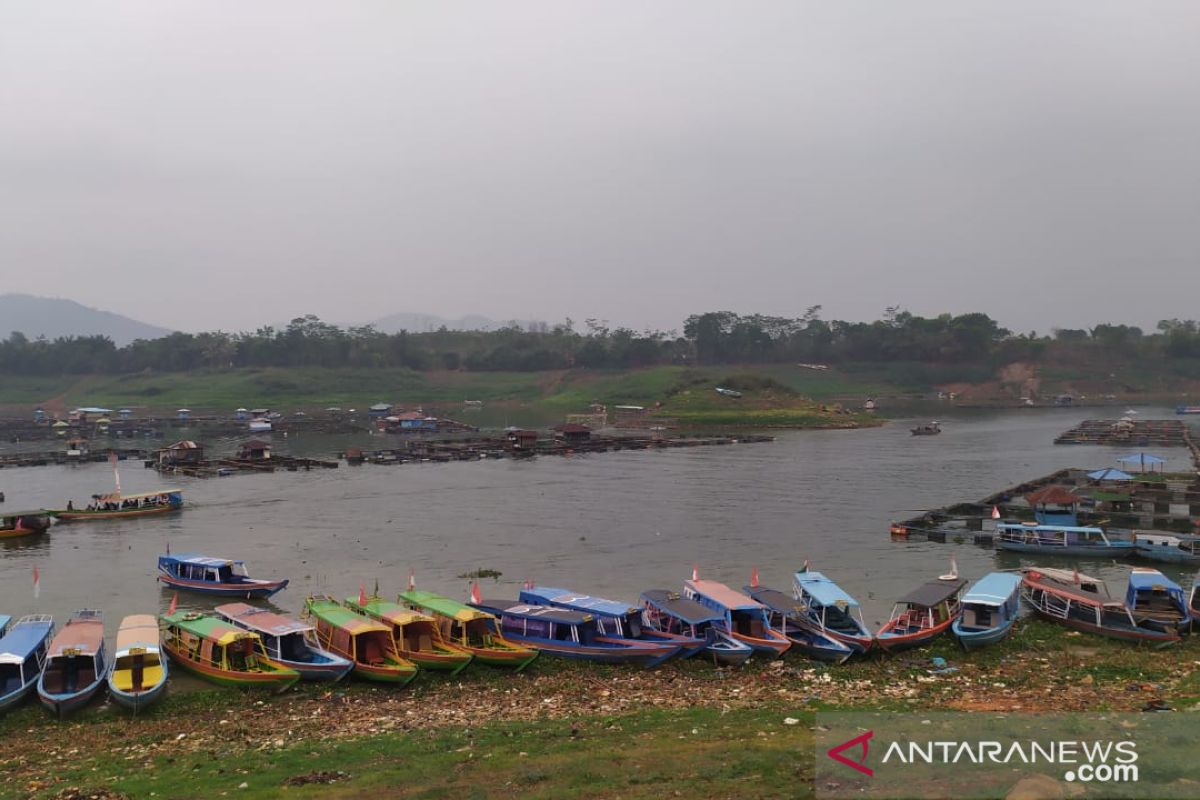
(83, 634)
(261, 620)
(345, 619)
(23, 639)
(444, 606)
(137, 630)
(138, 496)
(579, 602)
(687, 610)
(823, 591)
(394, 613)
(1066, 576)
(776, 600)
(1151, 580)
(722, 595)
(1026, 526)
(211, 628)
(41, 512)
(197, 560)
(993, 589)
(933, 593)
(514, 608)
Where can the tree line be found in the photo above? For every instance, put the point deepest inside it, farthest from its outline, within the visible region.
(719, 337)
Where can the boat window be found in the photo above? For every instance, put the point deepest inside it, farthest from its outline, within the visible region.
(214, 576)
(239, 570)
(11, 677)
(635, 628)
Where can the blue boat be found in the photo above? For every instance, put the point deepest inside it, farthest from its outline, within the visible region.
(218, 576)
(669, 612)
(4, 620)
(289, 642)
(790, 617)
(613, 619)
(565, 633)
(1060, 540)
(744, 619)
(139, 671)
(989, 609)
(834, 611)
(1168, 549)
(76, 665)
(1155, 599)
(22, 657)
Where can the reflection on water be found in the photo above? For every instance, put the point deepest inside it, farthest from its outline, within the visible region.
(609, 524)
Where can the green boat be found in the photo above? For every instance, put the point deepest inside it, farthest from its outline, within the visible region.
(222, 653)
(366, 642)
(475, 631)
(418, 637)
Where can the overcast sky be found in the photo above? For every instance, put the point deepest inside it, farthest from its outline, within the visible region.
(228, 164)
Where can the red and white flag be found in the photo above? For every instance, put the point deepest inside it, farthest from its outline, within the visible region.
(475, 596)
(362, 595)
(995, 512)
(412, 580)
(112, 459)
(174, 604)
(37, 583)
(695, 572)
(754, 577)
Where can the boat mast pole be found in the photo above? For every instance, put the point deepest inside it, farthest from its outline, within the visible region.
(112, 459)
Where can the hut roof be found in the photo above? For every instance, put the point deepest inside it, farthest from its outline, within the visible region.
(1053, 495)
(256, 444)
(186, 444)
(573, 427)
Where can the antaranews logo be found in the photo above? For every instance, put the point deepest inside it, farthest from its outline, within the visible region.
(862, 741)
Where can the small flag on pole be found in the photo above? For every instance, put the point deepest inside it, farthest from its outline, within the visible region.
(475, 596)
(174, 604)
(362, 595)
(995, 512)
(37, 583)
(754, 577)
(696, 572)
(412, 580)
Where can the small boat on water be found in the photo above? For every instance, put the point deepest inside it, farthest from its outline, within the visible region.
(22, 657)
(669, 612)
(139, 671)
(1187, 409)
(1083, 603)
(76, 664)
(288, 642)
(1156, 599)
(118, 506)
(417, 635)
(744, 619)
(23, 523)
(615, 620)
(209, 575)
(989, 610)
(365, 641)
(475, 631)
(223, 653)
(1168, 549)
(790, 617)
(833, 610)
(1060, 540)
(932, 429)
(564, 633)
(922, 614)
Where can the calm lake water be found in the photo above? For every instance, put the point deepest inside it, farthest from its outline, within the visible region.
(607, 524)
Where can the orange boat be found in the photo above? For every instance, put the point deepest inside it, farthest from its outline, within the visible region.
(118, 506)
(23, 523)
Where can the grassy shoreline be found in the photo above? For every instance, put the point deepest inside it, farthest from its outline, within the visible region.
(564, 729)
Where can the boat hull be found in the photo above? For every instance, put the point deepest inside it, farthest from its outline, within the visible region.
(1080, 551)
(249, 591)
(981, 637)
(76, 516)
(517, 658)
(385, 673)
(331, 670)
(688, 645)
(277, 680)
(895, 642)
(453, 663)
(14, 533)
(136, 701)
(1124, 634)
(17, 696)
(858, 642)
(63, 704)
(1167, 555)
(604, 655)
(727, 651)
(773, 647)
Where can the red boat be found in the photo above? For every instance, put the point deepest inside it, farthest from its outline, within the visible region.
(921, 615)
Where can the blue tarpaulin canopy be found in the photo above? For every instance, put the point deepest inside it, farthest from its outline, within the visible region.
(1142, 459)
(1110, 474)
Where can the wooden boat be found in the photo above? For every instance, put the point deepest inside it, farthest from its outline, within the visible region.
(418, 637)
(223, 653)
(22, 657)
(670, 612)
(123, 506)
(834, 612)
(744, 619)
(1060, 540)
(475, 631)
(920, 615)
(989, 609)
(75, 664)
(1168, 549)
(219, 576)
(23, 523)
(614, 620)
(366, 642)
(790, 618)
(139, 672)
(288, 642)
(932, 429)
(564, 633)
(1156, 599)
(1083, 603)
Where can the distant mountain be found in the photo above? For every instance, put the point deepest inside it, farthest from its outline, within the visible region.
(54, 317)
(421, 323)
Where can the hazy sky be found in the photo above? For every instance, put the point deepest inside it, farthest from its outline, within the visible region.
(226, 164)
